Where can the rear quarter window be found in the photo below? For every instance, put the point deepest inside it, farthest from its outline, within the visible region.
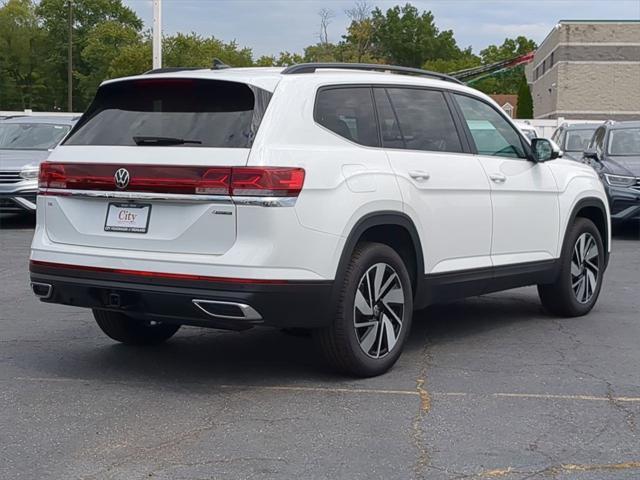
(349, 113)
(206, 113)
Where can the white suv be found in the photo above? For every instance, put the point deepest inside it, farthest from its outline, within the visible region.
(329, 197)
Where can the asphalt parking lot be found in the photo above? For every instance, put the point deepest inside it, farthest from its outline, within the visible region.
(490, 387)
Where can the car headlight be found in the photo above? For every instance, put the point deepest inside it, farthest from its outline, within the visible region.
(619, 180)
(30, 172)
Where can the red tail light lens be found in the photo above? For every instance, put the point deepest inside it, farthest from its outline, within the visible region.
(267, 181)
(190, 180)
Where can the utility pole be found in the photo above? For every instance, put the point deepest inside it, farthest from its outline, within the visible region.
(70, 59)
(157, 34)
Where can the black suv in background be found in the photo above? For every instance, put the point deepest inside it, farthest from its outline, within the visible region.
(614, 152)
(574, 139)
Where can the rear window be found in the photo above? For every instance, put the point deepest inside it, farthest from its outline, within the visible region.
(202, 113)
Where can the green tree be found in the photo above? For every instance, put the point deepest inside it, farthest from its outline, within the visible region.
(193, 50)
(404, 36)
(87, 15)
(105, 43)
(22, 83)
(525, 101)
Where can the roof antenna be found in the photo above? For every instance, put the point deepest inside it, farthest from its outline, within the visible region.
(219, 64)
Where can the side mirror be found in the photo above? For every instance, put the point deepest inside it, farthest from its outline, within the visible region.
(545, 149)
(591, 154)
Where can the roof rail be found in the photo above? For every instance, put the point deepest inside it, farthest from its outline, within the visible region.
(171, 69)
(312, 67)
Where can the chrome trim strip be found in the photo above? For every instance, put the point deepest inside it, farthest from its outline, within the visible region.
(167, 197)
(176, 197)
(265, 201)
(248, 312)
(24, 203)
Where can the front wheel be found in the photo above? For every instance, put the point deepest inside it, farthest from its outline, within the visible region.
(125, 329)
(582, 263)
(373, 315)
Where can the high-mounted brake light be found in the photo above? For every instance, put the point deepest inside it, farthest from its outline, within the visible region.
(54, 178)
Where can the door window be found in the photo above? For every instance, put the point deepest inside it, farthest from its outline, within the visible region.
(420, 118)
(349, 113)
(491, 132)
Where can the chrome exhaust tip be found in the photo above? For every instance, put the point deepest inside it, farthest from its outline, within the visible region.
(227, 310)
(42, 290)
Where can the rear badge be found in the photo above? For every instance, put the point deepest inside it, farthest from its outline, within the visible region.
(222, 212)
(122, 178)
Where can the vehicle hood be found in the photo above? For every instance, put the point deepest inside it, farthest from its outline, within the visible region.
(16, 159)
(623, 165)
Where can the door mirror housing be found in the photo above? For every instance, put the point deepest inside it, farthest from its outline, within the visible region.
(591, 154)
(545, 149)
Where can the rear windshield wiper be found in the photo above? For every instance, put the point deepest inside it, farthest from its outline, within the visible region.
(160, 141)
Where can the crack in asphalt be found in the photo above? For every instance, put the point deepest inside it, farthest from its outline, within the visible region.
(418, 433)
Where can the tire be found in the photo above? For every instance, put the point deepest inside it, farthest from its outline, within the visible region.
(576, 289)
(127, 330)
(354, 343)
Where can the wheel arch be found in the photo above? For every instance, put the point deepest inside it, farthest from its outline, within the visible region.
(392, 228)
(594, 209)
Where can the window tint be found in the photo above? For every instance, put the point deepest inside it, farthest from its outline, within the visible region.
(423, 120)
(492, 134)
(577, 140)
(31, 136)
(389, 128)
(349, 113)
(597, 139)
(208, 113)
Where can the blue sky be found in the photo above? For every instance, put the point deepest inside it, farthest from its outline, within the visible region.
(271, 26)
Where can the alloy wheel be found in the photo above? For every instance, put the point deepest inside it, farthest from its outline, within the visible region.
(585, 268)
(378, 310)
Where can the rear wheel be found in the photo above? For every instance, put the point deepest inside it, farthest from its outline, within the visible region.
(125, 329)
(373, 315)
(577, 287)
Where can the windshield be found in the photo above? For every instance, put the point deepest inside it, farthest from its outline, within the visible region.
(625, 142)
(578, 140)
(173, 111)
(31, 136)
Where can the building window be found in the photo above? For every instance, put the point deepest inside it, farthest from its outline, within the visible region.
(508, 108)
(551, 62)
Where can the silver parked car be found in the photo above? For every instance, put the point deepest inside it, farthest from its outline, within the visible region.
(25, 141)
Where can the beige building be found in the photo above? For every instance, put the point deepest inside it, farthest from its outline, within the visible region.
(587, 69)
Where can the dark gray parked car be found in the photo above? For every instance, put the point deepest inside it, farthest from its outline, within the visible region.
(25, 142)
(614, 152)
(573, 139)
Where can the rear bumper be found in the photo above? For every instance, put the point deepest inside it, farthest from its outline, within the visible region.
(301, 304)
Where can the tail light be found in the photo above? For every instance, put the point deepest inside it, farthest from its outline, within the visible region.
(189, 180)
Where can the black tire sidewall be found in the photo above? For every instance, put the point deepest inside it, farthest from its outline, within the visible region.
(582, 225)
(369, 255)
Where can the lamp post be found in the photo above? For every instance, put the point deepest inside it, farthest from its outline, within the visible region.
(157, 34)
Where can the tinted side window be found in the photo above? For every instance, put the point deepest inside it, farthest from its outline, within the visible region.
(492, 134)
(349, 113)
(389, 127)
(424, 121)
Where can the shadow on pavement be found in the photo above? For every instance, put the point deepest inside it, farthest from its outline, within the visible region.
(198, 359)
(626, 231)
(17, 221)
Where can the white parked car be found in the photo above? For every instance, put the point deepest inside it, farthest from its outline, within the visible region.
(330, 197)
(527, 129)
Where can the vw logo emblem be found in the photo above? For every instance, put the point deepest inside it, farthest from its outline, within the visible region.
(122, 178)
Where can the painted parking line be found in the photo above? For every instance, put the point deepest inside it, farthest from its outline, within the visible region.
(420, 391)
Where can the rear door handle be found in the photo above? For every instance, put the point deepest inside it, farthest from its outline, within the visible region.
(419, 175)
(498, 178)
